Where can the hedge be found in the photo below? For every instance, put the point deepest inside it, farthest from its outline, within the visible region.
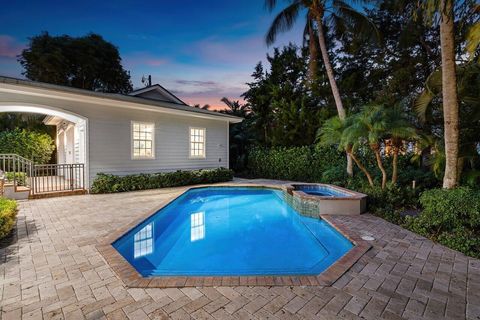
(8, 213)
(308, 164)
(109, 183)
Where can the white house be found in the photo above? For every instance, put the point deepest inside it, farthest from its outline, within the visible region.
(149, 130)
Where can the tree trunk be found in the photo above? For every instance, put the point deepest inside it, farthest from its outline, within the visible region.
(312, 47)
(333, 83)
(395, 165)
(449, 94)
(349, 166)
(328, 67)
(362, 168)
(378, 157)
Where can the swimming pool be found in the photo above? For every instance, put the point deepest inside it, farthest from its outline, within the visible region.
(322, 190)
(231, 231)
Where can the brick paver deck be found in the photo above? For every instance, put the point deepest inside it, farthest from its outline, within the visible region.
(54, 271)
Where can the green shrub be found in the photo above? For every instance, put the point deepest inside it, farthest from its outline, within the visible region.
(8, 212)
(108, 183)
(21, 177)
(297, 163)
(28, 144)
(391, 198)
(451, 217)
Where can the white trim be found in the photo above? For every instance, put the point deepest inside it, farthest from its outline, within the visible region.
(107, 101)
(54, 111)
(190, 143)
(152, 157)
(228, 146)
(156, 87)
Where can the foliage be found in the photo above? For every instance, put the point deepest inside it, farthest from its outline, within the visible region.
(430, 111)
(20, 177)
(451, 217)
(28, 121)
(297, 163)
(28, 144)
(8, 213)
(108, 183)
(87, 62)
(377, 127)
(282, 110)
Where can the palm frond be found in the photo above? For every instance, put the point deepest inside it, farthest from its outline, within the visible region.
(284, 21)
(270, 4)
(473, 39)
(422, 103)
(355, 20)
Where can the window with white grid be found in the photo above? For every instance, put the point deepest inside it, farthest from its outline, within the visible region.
(143, 140)
(197, 226)
(197, 142)
(143, 241)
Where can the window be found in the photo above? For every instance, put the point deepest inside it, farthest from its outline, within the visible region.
(143, 140)
(197, 226)
(143, 241)
(197, 142)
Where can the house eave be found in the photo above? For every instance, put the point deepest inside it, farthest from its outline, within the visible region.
(31, 88)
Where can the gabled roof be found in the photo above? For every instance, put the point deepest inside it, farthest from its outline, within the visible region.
(156, 92)
(129, 101)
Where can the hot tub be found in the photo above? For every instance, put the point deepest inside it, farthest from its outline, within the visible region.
(329, 199)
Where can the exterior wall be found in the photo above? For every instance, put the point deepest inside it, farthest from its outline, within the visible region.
(109, 137)
(110, 143)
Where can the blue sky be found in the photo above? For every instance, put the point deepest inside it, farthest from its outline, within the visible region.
(200, 50)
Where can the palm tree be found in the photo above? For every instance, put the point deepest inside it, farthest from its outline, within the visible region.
(449, 93)
(235, 108)
(442, 12)
(370, 126)
(333, 133)
(467, 77)
(398, 130)
(339, 13)
(310, 38)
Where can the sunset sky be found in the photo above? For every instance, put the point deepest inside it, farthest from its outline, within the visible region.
(200, 50)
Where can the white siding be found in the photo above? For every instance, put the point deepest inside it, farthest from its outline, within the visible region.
(110, 144)
(109, 137)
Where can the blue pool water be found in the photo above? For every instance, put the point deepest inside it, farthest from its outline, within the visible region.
(231, 231)
(324, 191)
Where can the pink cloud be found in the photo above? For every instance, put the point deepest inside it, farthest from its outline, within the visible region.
(10, 47)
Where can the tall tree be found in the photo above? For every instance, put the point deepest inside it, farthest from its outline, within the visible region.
(340, 13)
(449, 93)
(87, 62)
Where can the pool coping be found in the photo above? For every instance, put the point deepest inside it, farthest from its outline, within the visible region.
(133, 279)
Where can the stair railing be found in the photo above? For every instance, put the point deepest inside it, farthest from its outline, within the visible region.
(17, 169)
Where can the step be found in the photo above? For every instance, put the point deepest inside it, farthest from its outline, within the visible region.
(21, 192)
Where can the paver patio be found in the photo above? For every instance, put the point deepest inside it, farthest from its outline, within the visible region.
(54, 271)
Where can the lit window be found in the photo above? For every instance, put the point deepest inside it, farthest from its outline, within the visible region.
(197, 142)
(197, 226)
(143, 140)
(143, 241)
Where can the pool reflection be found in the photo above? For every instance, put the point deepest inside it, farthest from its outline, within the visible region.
(197, 226)
(143, 241)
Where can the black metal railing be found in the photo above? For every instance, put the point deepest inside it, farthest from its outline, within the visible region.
(42, 178)
(58, 177)
(17, 169)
